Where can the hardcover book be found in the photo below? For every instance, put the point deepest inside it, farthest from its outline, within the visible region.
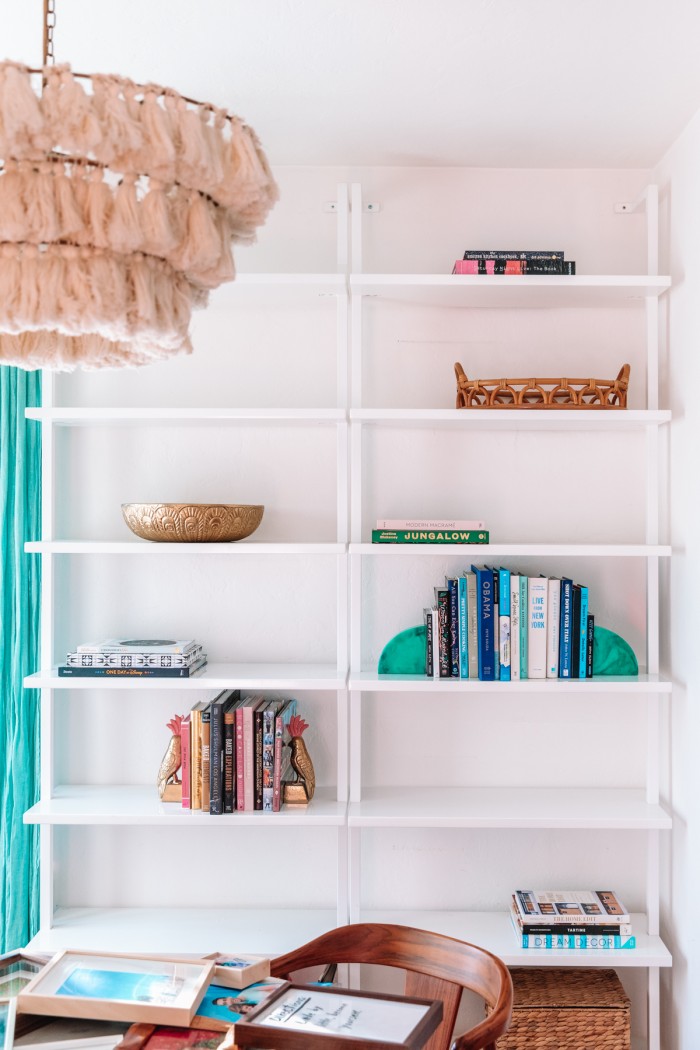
(566, 906)
(280, 759)
(537, 627)
(157, 646)
(218, 707)
(474, 253)
(523, 627)
(485, 623)
(198, 667)
(429, 536)
(185, 767)
(443, 636)
(583, 633)
(453, 603)
(77, 659)
(205, 732)
(431, 524)
(504, 648)
(472, 629)
(565, 629)
(463, 627)
(575, 629)
(553, 604)
(514, 627)
(196, 754)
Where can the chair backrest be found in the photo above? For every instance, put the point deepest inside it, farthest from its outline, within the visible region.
(437, 967)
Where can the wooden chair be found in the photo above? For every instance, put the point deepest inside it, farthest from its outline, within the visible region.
(437, 967)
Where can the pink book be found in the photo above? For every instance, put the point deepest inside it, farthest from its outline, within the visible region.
(240, 789)
(185, 768)
(466, 266)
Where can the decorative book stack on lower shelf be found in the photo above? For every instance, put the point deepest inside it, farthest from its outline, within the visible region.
(581, 919)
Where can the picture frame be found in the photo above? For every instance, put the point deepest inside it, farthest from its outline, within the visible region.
(8, 1012)
(239, 971)
(110, 986)
(221, 1007)
(17, 969)
(166, 1037)
(308, 1016)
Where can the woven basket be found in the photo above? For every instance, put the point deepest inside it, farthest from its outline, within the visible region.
(567, 1009)
(542, 393)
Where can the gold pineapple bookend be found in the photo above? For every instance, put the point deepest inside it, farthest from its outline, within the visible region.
(169, 784)
(299, 792)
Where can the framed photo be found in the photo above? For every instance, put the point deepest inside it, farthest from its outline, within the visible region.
(239, 971)
(153, 1037)
(17, 969)
(221, 1006)
(304, 1016)
(71, 1033)
(112, 987)
(8, 1011)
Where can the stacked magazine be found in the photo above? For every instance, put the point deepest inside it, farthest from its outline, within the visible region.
(585, 919)
(135, 658)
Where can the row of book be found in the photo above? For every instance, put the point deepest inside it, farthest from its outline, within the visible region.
(494, 624)
(135, 658)
(234, 753)
(427, 530)
(581, 919)
(514, 262)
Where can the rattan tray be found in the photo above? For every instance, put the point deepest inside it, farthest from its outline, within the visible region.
(567, 1009)
(542, 393)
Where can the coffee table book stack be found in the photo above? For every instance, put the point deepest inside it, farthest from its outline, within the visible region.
(585, 920)
(135, 658)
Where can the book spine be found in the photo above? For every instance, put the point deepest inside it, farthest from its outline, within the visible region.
(429, 536)
(590, 635)
(623, 929)
(443, 637)
(216, 761)
(185, 751)
(583, 633)
(453, 603)
(160, 651)
(504, 657)
(553, 613)
(496, 642)
(431, 524)
(514, 627)
(523, 626)
(195, 759)
(229, 767)
(505, 255)
(281, 720)
(463, 619)
(565, 630)
(64, 671)
(248, 759)
(472, 631)
(537, 627)
(268, 757)
(77, 659)
(557, 942)
(575, 629)
(206, 757)
(240, 781)
(428, 620)
(435, 619)
(484, 623)
(258, 753)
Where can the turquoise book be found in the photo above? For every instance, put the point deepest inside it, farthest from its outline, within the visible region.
(523, 626)
(583, 634)
(463, 627)
(504, 624)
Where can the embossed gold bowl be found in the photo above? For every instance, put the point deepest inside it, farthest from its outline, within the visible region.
(192, 522)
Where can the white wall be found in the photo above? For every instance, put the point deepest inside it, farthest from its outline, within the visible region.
(678, 175)
(529, 487)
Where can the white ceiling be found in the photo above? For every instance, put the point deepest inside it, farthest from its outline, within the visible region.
(487, 83)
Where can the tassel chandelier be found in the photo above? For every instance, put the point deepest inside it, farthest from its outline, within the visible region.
(119, 205)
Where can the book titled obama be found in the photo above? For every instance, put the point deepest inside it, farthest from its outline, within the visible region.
(300, 1017)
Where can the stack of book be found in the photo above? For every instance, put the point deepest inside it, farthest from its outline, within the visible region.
(429, 530)
(234, 753)
(514, 262)
(135, 658)
(497, 625)
(585, 919)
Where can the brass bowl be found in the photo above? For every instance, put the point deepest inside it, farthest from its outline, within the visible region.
(192, 522)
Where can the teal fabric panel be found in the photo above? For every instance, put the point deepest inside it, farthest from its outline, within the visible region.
(20, 520)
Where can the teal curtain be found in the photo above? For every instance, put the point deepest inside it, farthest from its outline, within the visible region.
(20, 520)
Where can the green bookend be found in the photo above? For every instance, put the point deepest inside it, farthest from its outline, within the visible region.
(612, 654)
(405, 653)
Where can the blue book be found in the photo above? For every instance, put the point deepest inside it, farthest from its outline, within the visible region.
(485, 623)
(496, 615)
(583, 634)
(524, 610)
(565, 619)
(453, 608)
(463, 627)
(504, 624)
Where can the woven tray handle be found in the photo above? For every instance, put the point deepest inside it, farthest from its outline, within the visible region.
(542, 393)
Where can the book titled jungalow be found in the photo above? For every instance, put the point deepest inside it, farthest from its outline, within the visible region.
(429, 536)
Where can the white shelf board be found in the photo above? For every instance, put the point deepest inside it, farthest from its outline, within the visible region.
(239, 548)
(371, 682)
(139, 805)
(303, 677)
(487, 551)
(128, 416)
(493, 930)
(503, 291)
(514, 807)
(277, 289)
(509, 419)
(268, 931)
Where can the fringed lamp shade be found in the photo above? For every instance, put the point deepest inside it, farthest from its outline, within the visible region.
(119, 205)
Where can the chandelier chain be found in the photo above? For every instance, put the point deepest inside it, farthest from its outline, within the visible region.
(49, 26)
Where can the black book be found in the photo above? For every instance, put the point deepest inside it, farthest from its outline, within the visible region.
(590, 630)
(505, 255)
(576, 631)
(230, 753)
(258, 754)
(442, 648)
(216, 748)
(428, 617)
(64, 671)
